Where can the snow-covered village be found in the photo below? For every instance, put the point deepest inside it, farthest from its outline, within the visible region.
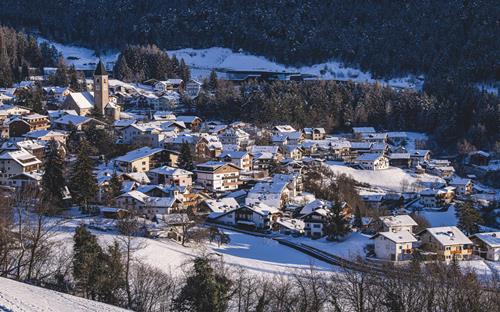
(213, 180)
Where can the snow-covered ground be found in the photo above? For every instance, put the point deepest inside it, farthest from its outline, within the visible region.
(440, 218)
(351, 248)
(255, 254)
(202, 61)
(388, 179)
(20, 297)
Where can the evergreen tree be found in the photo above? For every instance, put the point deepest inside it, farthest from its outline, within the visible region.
(115, 187)
(112, 284)
(212, 81)
(358, 220)
(185, 72)
(185, 158)
(204, 290)
(83, 181)
(61, 77)
(469, 218)
(337, 225)
(53, 179)
(25, 71)
(88, 264)
(121, 69)
(74, 78)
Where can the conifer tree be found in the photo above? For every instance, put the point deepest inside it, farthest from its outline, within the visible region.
(358, 220)
(469, 218)
(204, 290)
(61, 77)
(115, 187)
(113, 279)
(88, 266)
(83, 180)
(122, 71)
(74, 76)
(338, 225)
(185, 158)
(184, 71)
(212, 81)
(53, 179)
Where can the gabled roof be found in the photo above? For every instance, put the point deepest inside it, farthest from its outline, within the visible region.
(397, 237)
(448, 235)
(22, 157)
(491, 239)
(369, 157)
(84, 100)
(401, 220)
(72, 120)
(171, 171)
(138, 154)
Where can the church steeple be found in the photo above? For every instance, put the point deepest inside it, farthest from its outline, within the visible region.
(101, 93)
(100, 69)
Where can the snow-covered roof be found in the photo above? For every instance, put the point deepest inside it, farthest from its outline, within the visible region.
(22, 157)
(459, 181)
(72, 120)
(314, 205)
(284, 128)
(268, 188)
(264, 149)
(234, 154)
(222, 204)
(397, 237)
(369, 157)
(138, 154)
(401, 220)
(293, 224)
(171, 171)
(491, 239)
(399, 156)
(363, 130)
(187, 119)
(84, 100)
(139, 196)
(361, 145)
(448, 235)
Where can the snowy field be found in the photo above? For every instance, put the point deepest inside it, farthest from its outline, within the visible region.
(255, 254)
(20, 297)
(202, 61)
(351, 248)
(389, 179)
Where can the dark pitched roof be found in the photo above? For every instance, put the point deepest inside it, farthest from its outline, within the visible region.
(100, 69)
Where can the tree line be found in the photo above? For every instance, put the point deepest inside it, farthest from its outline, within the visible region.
(139, 63)
(460, 114)
(457, 38)
(19, 52)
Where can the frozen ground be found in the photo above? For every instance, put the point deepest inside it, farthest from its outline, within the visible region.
(202, 61)
(20, 297)
(388, 179)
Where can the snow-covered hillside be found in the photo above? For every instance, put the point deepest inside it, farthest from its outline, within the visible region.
(20, 297)
(389, 179)
(202, 61)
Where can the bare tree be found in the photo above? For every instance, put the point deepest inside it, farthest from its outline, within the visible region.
(129, 228)
(152, 289)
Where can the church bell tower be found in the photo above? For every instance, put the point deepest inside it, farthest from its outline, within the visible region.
(101, 91)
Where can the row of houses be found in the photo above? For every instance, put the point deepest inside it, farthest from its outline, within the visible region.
(396, 241)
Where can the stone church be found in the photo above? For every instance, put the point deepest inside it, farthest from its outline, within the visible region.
(98, 101)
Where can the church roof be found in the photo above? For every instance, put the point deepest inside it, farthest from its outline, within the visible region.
(100, 69)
